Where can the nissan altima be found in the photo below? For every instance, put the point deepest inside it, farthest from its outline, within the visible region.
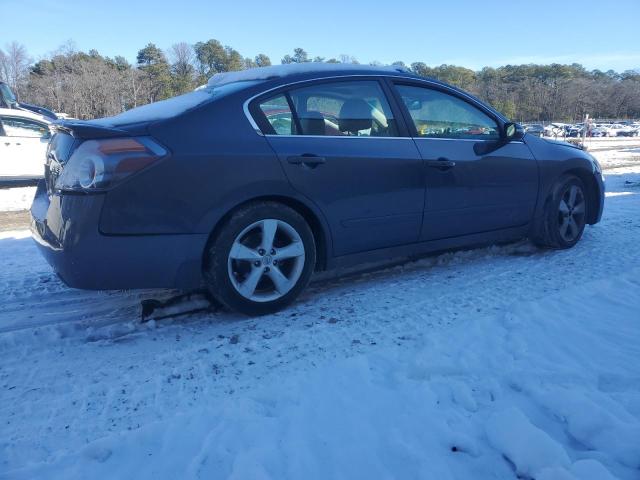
(251, 183)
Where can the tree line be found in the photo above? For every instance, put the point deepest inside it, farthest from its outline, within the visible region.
(88, 85)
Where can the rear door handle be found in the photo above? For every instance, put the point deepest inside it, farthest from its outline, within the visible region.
(306, 159)
(441, 163)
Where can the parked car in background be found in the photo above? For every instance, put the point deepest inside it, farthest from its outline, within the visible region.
(574, 130)
(23, 144)
(621, 130)
(8, 100)
(597, 132)
(250, 185)
(554, 130)
(535, 129)
(607, 130)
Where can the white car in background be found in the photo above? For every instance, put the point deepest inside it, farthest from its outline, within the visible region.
(555, 130)
(24, 137)
(608, 129)
(622, 130)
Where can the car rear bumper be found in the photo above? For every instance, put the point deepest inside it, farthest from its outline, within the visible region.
(65, 228)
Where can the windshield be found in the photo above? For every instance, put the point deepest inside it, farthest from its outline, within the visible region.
(7, 94)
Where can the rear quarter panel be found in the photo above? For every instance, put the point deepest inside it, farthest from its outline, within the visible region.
(217, 160)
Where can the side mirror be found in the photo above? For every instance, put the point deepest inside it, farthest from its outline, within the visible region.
(513, 131)
(510, 131)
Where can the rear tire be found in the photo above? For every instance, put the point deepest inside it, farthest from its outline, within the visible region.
(564, 217)
(261, 259)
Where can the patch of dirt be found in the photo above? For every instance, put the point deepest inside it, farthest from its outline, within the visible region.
(14, 220)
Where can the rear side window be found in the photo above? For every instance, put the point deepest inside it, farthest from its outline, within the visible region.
(437, 114)
(277, 112)
(357, 108)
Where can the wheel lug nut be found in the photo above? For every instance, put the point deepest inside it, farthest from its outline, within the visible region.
(261, 251)
(275, 262)
(273, 251)
(256, 263)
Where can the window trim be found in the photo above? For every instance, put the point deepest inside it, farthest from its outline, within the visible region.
(262, 118)
(256, 116)
(387, 79)
(447, 91)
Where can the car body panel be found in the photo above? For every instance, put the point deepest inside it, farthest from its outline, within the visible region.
(65, 228)
(558, 158)
(373, 199)
(370, 189)
(481, 192)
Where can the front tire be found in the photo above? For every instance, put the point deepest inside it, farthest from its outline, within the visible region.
(565, 214)
(261, 259)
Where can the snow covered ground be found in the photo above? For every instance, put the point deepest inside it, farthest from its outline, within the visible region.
(498, 363)
(15, 199)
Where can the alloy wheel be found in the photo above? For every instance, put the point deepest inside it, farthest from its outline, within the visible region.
(571, 213)
(266, 260)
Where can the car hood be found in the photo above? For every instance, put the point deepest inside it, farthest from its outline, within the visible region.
(563, 144)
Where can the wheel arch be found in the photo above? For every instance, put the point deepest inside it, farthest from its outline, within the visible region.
(321, 234)
(593, 194)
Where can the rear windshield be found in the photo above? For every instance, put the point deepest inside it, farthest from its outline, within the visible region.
(173, 107)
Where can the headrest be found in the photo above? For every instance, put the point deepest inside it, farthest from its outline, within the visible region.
(355, 115)
(312, 123)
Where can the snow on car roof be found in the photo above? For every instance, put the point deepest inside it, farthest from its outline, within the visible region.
(168, 108)
(278, 71)
(158, 110)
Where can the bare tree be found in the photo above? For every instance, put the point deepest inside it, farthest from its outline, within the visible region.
(182, 58)
(14, 66)
(344, 58)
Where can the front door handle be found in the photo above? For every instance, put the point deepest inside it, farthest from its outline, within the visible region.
(441, 163)
(307, 159)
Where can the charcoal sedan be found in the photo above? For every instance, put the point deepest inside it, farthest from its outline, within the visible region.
(253, 182)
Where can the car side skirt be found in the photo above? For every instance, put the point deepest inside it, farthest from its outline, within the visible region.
(431, 247)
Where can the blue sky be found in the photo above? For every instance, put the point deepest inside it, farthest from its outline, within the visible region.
(597, 33)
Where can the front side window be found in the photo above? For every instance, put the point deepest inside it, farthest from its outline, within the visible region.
(439, 115)
(22, 127)
(349, 108)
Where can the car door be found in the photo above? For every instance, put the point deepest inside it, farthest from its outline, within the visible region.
(25, 140)
(340, 145)
(466, 192)
(8, 154)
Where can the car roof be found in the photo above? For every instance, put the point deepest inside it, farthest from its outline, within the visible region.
(307, 69)
(14, 112)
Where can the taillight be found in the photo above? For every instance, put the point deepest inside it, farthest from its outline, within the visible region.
(100, 164)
